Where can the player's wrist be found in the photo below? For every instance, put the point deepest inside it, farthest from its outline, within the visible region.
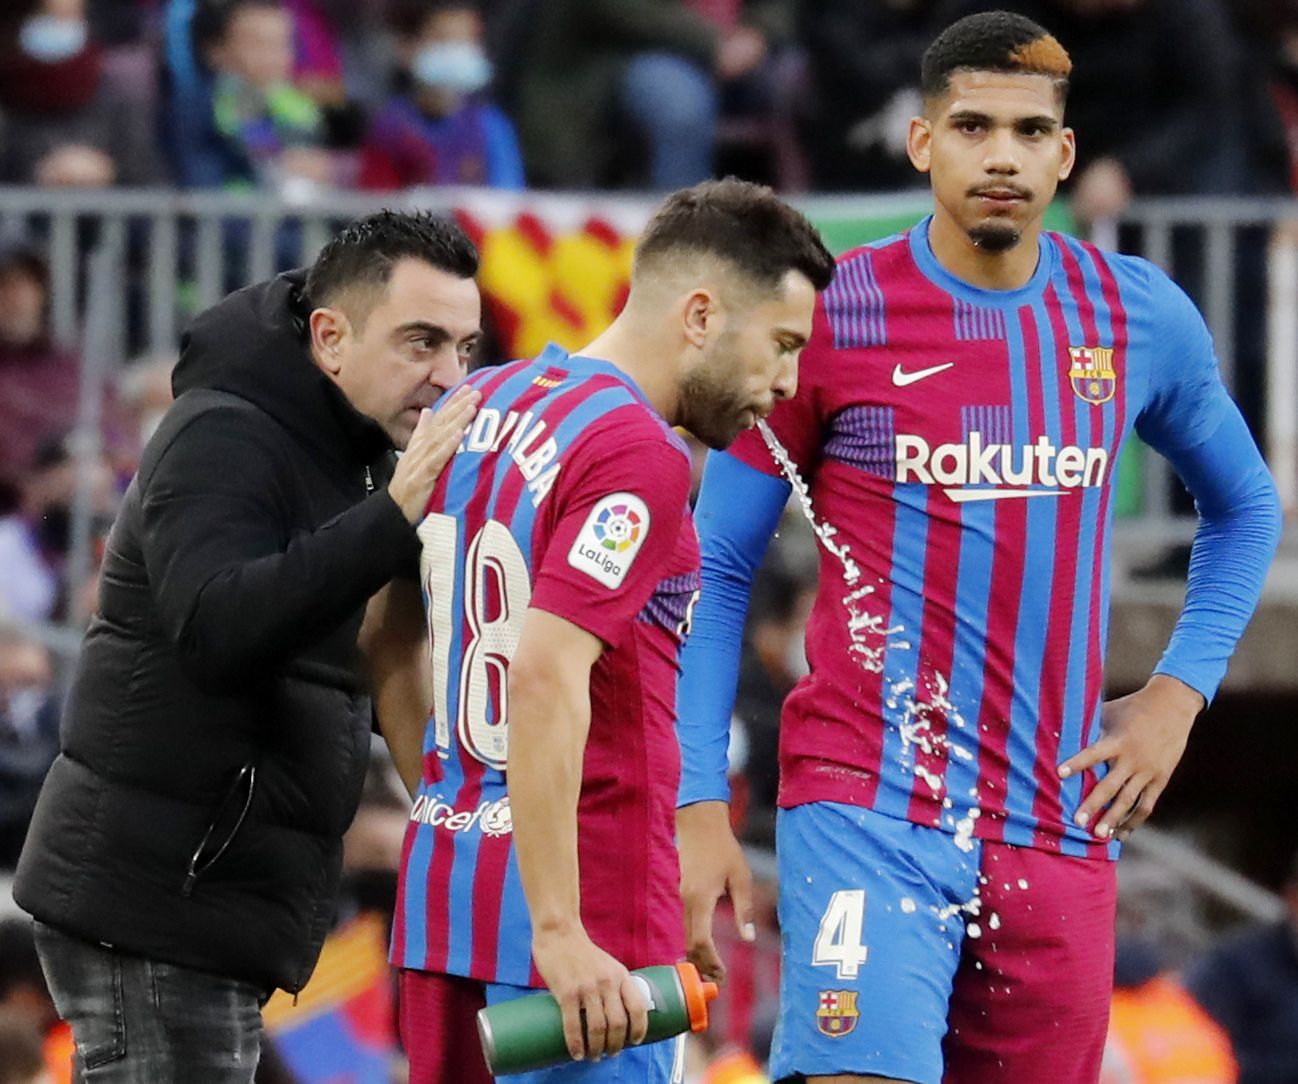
(1179, 694)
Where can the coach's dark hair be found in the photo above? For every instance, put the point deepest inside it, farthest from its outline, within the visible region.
(995, 41)
(364, 254)
(212, 19)
(745, 224)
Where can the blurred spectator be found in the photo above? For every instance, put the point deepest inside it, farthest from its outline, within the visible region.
(29, 736)
(1158, 1034)
(317, 53)
(25, 997)
(662, 61)
(1152, 99)
(441, 129)
(774, 659)
(272, 131)
(67, 122)
(1249, 984)
(20, 1052)
(863, 59)
(39, 380)
(34, 539)
(143, 393)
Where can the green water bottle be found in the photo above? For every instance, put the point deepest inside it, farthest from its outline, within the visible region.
(525, 1034)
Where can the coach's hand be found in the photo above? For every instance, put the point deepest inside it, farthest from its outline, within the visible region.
(1144, 736)
(712, 866)
(435, 439)
(603, 1009)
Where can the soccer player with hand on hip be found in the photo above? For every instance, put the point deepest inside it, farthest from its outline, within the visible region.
(953, 788)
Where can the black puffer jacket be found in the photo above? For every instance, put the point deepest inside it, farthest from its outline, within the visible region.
(216, 737)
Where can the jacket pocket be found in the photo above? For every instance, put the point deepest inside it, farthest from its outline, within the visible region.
(225, 824)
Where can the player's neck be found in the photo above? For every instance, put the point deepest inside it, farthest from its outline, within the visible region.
(640, 357)
(957, 253)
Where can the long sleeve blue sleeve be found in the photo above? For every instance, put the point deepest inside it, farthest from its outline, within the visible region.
(1191, 420)
(737, 512)
(1239, 527)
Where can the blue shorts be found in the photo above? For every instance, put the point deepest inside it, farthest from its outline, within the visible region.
(917, 955)
(871, 933)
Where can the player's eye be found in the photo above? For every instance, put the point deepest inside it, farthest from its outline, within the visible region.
(969, 127)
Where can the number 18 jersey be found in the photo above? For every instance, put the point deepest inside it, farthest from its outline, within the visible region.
(569, 494)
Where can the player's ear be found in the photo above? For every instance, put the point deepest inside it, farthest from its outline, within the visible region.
(330, 329)
(1069, 158)
(919, 143)
(700, 311)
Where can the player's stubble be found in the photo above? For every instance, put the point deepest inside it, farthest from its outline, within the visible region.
(714, 407)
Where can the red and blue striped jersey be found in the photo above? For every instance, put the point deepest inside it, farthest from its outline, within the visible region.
(569, 494)
(963, 444)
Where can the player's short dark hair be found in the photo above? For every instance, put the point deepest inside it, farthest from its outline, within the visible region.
(212, 18)
(744, 224)
(365, 253)
(995, 41)
(407, 18)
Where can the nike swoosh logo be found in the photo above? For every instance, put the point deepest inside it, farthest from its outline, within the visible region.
(902, 378)
(960, 496)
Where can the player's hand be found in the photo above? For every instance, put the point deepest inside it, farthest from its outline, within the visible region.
(712, 866)
(434, 441)
(603, 1009)
(1143, 738)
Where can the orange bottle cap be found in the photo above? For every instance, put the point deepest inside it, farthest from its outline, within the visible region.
(698, 993)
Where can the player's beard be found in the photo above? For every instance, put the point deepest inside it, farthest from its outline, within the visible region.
(995, 236)
(712, 409)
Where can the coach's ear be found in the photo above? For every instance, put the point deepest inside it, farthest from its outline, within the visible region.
(330, 330)
(919, 143)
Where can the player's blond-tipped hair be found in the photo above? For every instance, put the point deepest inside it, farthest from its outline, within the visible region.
(999, 41)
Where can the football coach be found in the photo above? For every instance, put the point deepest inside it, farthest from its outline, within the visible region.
(183, 859)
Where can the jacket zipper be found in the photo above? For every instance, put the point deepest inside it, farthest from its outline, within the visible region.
(369, 482)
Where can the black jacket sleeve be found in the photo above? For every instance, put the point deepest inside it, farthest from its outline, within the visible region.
(236, 590)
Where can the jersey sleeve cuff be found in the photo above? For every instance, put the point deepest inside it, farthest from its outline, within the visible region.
(1203, 680)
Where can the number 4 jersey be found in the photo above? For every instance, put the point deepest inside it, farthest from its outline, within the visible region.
(570, 495)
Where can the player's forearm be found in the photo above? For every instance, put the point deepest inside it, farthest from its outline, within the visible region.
(1238, 532)
(549, 721)
(396, 656)
(733, 543)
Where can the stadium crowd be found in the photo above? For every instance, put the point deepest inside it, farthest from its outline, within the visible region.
(298, 96)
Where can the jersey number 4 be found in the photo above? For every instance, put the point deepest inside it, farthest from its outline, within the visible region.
(497, 592)
(839, 939)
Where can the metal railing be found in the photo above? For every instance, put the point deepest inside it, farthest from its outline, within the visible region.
(1238, 258)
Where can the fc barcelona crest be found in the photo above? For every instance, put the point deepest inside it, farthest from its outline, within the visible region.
(1092, 374)
(837, 1013)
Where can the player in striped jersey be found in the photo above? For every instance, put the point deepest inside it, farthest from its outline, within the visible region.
(951, 782)
(560, 567)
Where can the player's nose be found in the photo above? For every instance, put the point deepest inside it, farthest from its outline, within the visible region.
(785, 385)
(1001, 155)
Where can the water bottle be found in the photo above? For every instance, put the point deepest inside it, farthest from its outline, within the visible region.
(525, 1034)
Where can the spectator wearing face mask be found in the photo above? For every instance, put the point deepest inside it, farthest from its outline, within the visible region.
(271, 132)
(66, 121)
(440, 129)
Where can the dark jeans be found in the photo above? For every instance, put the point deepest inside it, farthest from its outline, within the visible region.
(138, 1021)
